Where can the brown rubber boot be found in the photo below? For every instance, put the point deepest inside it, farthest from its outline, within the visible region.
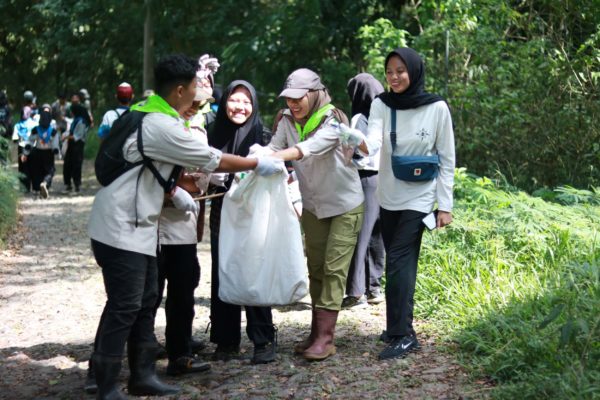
(322, 346)
(300, 347)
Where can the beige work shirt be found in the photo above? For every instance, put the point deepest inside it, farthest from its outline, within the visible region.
(329, 181)
(113, 216)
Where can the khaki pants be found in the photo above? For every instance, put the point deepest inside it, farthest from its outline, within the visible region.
(330, 244)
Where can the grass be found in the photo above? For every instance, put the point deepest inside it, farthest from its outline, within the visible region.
(515, 283)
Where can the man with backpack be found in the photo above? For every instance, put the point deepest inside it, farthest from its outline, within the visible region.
(124, 96)
(123, 220)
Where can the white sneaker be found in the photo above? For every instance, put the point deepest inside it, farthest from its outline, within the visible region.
(44, 190)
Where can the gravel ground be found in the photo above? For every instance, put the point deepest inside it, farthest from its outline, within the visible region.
(51, 297)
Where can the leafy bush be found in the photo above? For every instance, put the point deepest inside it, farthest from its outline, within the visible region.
(515, 282)
(8, 200)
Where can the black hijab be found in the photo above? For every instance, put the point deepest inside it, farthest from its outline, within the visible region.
(80, 111)
(363, 89)
(415, 95)
(233, 138)
(45, 116)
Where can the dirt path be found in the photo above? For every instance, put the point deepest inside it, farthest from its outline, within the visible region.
(51, 296)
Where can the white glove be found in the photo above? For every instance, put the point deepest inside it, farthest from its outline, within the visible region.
(351, 136)
(219, 178)
(183, 200)
(208, 62)
(268, 165)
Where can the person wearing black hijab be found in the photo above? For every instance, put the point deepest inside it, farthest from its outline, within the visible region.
(423, 128)
(236, 128)
(366, 269)
(76, 142)
(42, 145)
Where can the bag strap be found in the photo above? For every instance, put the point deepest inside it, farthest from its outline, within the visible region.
(167, 184)
(393, 130)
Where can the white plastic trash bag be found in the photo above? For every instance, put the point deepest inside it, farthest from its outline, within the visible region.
(261, 258)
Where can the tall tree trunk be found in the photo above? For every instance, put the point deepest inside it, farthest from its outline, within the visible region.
(148, 47)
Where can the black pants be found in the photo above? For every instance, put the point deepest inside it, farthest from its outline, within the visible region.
(25, 177)
(73, 162)
(402, 232)
(178, 264)
(366, 268)
(225, 318)
(41, 167)
(130, 281)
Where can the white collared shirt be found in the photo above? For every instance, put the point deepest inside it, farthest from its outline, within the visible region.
(113, 216)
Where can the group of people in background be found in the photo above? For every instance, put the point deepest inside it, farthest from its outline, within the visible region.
(359, 219)
(43, 133)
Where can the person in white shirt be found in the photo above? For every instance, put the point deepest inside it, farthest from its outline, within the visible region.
(124, 96)
(123, 228)
(423, 128)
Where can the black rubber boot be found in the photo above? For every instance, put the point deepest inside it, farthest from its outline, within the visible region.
(90, 386)
(142, 365)
(106, 370)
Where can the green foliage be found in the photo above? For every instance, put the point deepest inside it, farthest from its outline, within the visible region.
(377, 41)
(514, 281)
(8, 200)
(92, 144)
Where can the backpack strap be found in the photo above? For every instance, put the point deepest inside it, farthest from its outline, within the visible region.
(167, 184)
(393, 130)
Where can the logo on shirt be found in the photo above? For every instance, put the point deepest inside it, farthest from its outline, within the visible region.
(422, 134)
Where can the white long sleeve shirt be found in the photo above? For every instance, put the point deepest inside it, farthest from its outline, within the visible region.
(113, 216)
(426, 130)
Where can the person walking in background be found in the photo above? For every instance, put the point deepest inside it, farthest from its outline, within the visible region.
(21, 132)
(124, 96)
(41, 147)
(237, 127)
(366, 268)
(77, 134)
(6, 127)
(332, 199)
(59, 112)
(406, 122)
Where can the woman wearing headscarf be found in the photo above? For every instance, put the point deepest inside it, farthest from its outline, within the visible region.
(332, 199)
(237, 127)
(366, 268)
(21, 132)
(41, 147)
(74, 154)
(423, 128)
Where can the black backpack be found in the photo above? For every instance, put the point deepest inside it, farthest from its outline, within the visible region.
(110, 161)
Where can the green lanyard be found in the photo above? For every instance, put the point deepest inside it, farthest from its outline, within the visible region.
(313, 121)
(157, 104)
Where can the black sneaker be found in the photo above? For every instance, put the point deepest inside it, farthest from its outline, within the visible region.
(226, 352)
(399, 347)
(186, 365)
(264, 353)
(354, 302)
